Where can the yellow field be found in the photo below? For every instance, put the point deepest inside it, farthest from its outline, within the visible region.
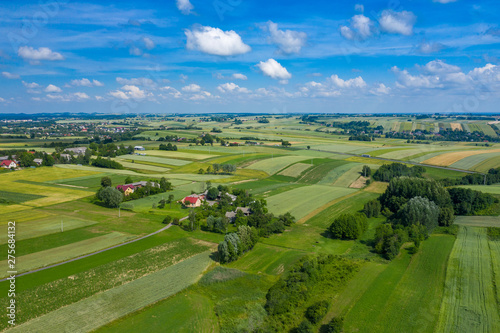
(377, 187)
(456, 126)
(450, 158)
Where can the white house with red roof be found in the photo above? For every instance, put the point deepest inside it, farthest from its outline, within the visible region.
(8, 164)
(191, 201)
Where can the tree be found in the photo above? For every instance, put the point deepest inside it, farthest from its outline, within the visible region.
(208, 184)
(212, 193)
(111, 197)
(336, 325)
(348, 226)
(317, 311)
(106, 181)
(419, 210)
(372, 208)
(48, 160)
(192, 220)
(308, 147)
(167, 219)
(165, 185)
(367, 172)
(26, 159)
(128, 180)
(305, 327)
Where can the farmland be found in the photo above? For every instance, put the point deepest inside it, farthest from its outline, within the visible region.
(137, 287)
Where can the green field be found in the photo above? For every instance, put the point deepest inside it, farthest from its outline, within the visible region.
(154, 159)
(120, 301)
(470, 303)
(273, 165)
(478, 221)
(303, 200)
(295, 170)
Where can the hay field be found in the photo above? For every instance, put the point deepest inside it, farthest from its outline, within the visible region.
(295, 170)
(273, 165)
(153, 159)
(180, 154)
(456, 126)
(448, 159)
(471, 162)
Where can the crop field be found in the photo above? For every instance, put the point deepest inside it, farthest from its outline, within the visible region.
(324, 173)
(273, 165)
(295, 170)
(493, 189)
(478, 221)
(179, 154)
(469, 302)
(299, 202)
(18, 197)
(58, 254)
(349, 177)
(484, 166)
(119, 301)
(451, 158)
(154, 159)
(46, 226)
(471, 162)
(143, 166)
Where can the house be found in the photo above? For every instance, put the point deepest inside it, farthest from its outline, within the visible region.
(143, 184)
(38, 161)
(191, 201)
(139, 148)
(8, 164)
(127, 189)
(77, 151)
(66, 156)
(232, 215)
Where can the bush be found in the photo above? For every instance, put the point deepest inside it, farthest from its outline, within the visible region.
(317, 311)
(212, 193)
(109, 164)
(348, 226)
(167, 219)
(304, 327)
(372, 208)
(335, 325)
(111, 197)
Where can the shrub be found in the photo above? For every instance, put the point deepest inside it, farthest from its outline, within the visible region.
(304, 327)
(335, 325)
(348, 226)
(167, 219)
(317, 311)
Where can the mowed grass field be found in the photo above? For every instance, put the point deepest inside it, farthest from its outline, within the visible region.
(117, 302)
(273, 165)
(295, 170)
(405, 296)
(470, 301)
(447, 159)
(300, 201)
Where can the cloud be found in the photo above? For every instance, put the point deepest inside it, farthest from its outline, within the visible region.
(231, 87)
(238, 76)
(440, 67)
(81, 95)
(215, 41)
(10, 75)
(274, 70)
(171, 91)
(135, 51)
(130, 92)
(444, 1)
(397, 22)
(431, 47)
(2, 100)
(352, 83)
(140, 81)
(359, 8)
(185, 6)
(119, 94)
(361, 27)
(86, 83)
(288, 41)
(31, 85)
(36, 55)
(52, 89)
(202, 95)
(148, 43)
(192, 88)
(381, 89)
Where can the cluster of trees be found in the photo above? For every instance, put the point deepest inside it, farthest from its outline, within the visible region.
(150, 189)
(443, 135)
(312, 274)
(237, 243)
(109, 149)
(168, 146)
(372, 208)
(492, 177)
(349, 226)
(219, 168)
(106, 163)
(470, 202)
(217, 224)
(360, 137)
(266, 223)
(389, 171)
(109, 196)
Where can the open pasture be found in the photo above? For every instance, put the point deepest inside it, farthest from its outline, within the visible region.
(349, 177)
(300, 201)
(119, 301)
(469, 303)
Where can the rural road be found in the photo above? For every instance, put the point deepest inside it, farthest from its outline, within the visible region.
(97, 252)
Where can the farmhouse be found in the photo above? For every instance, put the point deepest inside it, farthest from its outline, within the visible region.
(8, 164)
(191, 201)
(232, 215)
(139, 148)
(38, 161)
(143, 184)
(127, 189)
(66, 156)
(77, 151)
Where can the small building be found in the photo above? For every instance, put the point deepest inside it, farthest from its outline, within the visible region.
(127, 189)
(76, 151)
(139, 148)
(232, 215)
(38, 161)
(191, 201)
(66, 156)
(143, 184)
(8, 164)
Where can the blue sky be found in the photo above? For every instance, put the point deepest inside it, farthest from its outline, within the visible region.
(190, 56)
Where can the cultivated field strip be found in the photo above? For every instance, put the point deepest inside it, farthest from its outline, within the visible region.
(469, 302)
(103, 308)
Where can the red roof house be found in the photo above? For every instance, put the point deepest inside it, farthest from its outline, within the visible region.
(191, 201)
(8, 164)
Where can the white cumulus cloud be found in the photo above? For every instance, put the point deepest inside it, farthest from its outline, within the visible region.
(288, 41)
(148, 43)
(361, 27)
(185, 6)
(397, 22)
(81, 95)
(380, 89)
(86, 83)
(52, 89)
(351, 83)
(238, 76)
(231, 87)
(36, 55)
(215, 41)
(10, 75)
(140, 81)
(274, 70)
